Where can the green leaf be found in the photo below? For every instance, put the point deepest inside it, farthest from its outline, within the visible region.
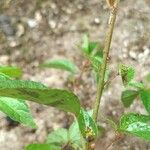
(128, 97)
(62, 64)
(94, 54)
(75, 137)
(137, 85)
(85, 44)
(88, 46)
(145, 97)
(96, 62)
(4, 77)
(92, 46)
(37, 92)
(127, 74)
(135, 124)
(42, 147)
(58, 137)
(11, 71)
(17, 110)
(87, 125)
(63, 136)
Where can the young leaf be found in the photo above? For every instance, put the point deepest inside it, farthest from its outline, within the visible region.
(145, 97)
(135, 124)
(58, 137)
(92, 46)
(75, 137)
(137, 85)
(63, 136)
(87, 46)
(96, 61)
(87, 125)
(17, 110)
(127, 74)
(37, 92)
(128, 97)
(11, 71)
(62, 64)
(42, 147)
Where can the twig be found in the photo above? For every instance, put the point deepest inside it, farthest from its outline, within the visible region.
(111, 79)
(116, 139)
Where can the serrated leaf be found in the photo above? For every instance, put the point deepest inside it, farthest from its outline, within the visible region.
(58, 137)
(16, 110)
(37, 92)
(135, 124)
(11, 71)
(62, 64)
(128, 97)
(87, 125)
(145, 97)
(42, 147)
(127, 74)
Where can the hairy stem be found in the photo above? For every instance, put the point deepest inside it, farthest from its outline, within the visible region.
(102, 70)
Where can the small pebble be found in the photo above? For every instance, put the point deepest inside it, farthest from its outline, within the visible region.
(20, 30)
(32, 23)
(52, 24)
(132, 54)
(6, 25)
(97, 21)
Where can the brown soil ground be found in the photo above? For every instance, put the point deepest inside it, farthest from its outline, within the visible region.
(47, 29)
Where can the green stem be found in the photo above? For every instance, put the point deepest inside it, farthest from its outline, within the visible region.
(102, 70)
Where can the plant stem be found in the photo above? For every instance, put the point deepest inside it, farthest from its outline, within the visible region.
(102, 69)
(90, 146)
(117, 138)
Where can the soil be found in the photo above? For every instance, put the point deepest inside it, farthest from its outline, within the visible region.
(32, 32)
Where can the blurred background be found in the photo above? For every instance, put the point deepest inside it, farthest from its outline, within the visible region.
(33, 31)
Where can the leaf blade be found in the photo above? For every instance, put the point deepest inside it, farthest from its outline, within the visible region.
(128, 96)
(75, 136)
(17, 110)
(85, 45)
(127, 74)
(62, 64)
(58, 137)
(87, 125)
(37, 92)
(145, 97)
(135, 124)
(42, 147)
(11, 71)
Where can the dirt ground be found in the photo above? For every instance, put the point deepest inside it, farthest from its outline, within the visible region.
(34, 31)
